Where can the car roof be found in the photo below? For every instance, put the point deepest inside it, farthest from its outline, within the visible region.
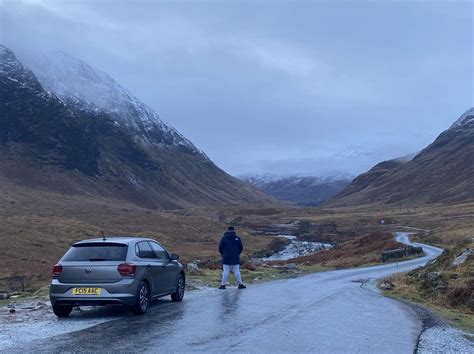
(115, 239)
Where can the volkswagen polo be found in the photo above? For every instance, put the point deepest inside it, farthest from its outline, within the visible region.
(126, 271)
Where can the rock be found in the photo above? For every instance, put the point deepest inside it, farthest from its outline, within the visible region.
(433, 276)
(4, 296)
(441, 286)
(256, 262)
(462, 257)
(249, 266)
(387, 285)
(435, 281)
(12, 311)
(192, 268)
(291, 266)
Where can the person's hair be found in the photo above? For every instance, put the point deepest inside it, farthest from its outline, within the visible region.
(231, 228)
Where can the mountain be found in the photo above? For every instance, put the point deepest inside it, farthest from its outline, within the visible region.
(78, 132)
(443, 172)
(77, 83)
(302, 191)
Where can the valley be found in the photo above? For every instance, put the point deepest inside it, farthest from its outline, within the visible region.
(317, 149)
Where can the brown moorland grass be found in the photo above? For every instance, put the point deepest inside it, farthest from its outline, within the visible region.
(38, 227)
(441, 283)
(360, 251)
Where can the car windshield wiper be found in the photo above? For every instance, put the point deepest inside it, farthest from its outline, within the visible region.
(98, 259)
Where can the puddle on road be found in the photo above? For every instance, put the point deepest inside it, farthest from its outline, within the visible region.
(27, 325)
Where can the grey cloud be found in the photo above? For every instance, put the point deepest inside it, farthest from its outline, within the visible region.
(279, 87)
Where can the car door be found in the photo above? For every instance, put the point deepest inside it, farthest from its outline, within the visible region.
(170, 268)
(154, 267)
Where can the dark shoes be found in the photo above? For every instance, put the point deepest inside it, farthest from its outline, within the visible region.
(241, 286)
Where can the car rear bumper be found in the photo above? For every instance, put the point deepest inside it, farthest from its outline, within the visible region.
(123, 292)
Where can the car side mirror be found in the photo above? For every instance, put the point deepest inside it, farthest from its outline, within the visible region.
(174, 257)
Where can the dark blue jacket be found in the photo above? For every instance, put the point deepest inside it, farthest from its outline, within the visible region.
(230, 248)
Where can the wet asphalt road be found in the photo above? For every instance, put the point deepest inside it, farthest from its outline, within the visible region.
(327, 312)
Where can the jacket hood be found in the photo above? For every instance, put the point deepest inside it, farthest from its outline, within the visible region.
(230, 234)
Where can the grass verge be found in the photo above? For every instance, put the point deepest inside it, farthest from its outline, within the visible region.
(457, 318)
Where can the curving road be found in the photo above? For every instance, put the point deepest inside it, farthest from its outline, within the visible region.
(335, 311)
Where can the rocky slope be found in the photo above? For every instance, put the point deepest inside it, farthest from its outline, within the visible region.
(302, 191)
(443, 172)
(77, 83)
(102, 142)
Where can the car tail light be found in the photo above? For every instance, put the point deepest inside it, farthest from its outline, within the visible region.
(57, 269)
(127, 269)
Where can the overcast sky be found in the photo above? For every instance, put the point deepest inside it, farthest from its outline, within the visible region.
(283, 87)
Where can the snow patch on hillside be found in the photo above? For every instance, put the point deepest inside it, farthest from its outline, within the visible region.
(466, 118)
(79, 84)
(264, 179)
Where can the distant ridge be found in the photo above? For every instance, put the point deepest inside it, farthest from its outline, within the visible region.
(299, 190)
(443, 172)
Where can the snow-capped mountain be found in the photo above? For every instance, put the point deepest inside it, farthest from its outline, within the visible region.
(64, 143)
(299, 190)
(77, 83)
(466, 118)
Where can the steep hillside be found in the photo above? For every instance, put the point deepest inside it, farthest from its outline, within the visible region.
(302, 191)
(70, 145)
(441, 173)
(78, 84)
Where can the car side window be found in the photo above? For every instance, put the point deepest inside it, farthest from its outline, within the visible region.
(143, 250)
(160, 252)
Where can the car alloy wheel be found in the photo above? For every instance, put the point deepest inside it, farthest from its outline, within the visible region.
(142, 300)
(180, 288)
(143, 297)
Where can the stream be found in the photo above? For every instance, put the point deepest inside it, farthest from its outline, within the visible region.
(296, 249)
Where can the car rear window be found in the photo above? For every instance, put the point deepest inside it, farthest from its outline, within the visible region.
(96, 252)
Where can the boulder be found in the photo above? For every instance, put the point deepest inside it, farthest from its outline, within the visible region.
(462, 257)
(435, 281)
(433, 277)
(249, 266)
(291, 266)
(441, 286)
(192, 268)
(387, 285)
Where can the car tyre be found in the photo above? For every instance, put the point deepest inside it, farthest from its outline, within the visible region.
(143, 299)
(62, 310)
(180, 287)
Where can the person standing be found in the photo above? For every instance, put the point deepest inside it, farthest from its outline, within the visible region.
(230, 248)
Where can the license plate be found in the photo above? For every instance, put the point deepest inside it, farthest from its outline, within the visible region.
(86, 291)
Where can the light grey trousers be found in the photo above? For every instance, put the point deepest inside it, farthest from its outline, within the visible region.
(227, 268)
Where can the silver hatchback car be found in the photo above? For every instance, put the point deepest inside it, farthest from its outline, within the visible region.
(127, 271)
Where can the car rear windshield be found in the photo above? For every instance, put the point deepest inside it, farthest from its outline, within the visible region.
(96, 252)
